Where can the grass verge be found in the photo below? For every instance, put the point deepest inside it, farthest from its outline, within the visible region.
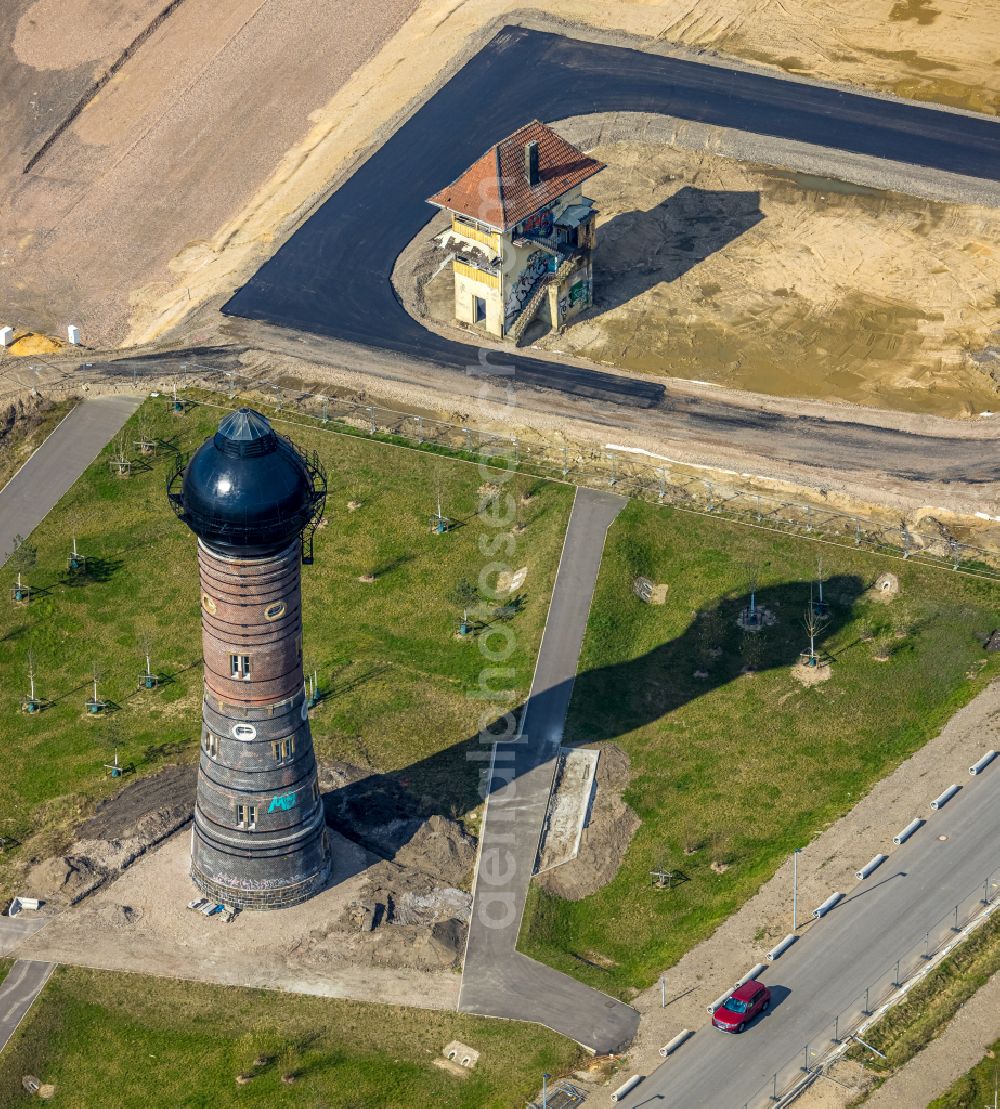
(23, 428)
(135, 1041)
(732, 770)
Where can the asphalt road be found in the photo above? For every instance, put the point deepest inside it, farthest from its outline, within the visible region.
(855, 946)
(37, 487)
(497, 980)
(17, 993)
(15, 930)
(332, 277)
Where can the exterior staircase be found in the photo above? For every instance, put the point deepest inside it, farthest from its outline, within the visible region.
(530, 310)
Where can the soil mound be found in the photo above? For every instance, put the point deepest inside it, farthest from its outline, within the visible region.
(165, 795)
(440, 847)
(63, 879)
(605, 839)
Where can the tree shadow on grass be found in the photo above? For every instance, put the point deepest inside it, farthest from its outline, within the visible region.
(382, 813)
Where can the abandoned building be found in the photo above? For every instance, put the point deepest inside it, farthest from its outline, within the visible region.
(521, 233)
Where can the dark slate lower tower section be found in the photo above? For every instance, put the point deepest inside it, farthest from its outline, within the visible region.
(259, 839)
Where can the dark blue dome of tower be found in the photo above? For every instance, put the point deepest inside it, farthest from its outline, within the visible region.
(248, 490)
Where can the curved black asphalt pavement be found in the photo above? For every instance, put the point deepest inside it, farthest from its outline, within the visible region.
(497, 979)
(333, 276)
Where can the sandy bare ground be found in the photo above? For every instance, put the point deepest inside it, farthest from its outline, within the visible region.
(291, 950)
(177, 141)
(211, 138)
(827, 863)
(760, 279)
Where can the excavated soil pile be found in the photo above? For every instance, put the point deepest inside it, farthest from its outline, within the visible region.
(122, 829)
(605, 839)
(409, 911)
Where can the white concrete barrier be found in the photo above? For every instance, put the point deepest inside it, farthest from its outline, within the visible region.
(750, 975)
(779, 949)
(870, 867)
(940, 802)
(720, 1001)
(6, 336)
(672, 1045)
(828, 904)
(626, 1087)
(903, 835)
(984, 762)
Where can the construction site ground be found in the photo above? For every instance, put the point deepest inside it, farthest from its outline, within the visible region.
(148, 167)
(140, 922)
(756, 278)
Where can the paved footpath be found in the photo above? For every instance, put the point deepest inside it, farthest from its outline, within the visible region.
(497, 980)
(17, 993)
(48, 474)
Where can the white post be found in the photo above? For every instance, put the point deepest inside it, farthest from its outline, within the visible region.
(73, 335)
(795, 890)
(663, 992)
(31, 682)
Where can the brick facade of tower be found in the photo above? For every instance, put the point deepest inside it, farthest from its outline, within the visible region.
(259, 837)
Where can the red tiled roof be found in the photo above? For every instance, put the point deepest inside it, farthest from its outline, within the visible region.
(495, 189)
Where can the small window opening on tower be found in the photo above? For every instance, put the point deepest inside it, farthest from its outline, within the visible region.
(239, 667)
(246, 816)
(211, 745)
(283, 748)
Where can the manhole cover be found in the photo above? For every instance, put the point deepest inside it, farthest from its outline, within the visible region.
(942, 838)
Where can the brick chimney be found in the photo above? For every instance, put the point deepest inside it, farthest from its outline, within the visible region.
(531, 162)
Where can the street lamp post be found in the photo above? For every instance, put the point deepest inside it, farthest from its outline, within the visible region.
(545, 1090)
(663, 992)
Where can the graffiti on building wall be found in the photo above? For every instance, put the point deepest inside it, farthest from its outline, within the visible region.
(538, 224)
(260, 885)
(575, 298)
(284, 803)
(527, 281)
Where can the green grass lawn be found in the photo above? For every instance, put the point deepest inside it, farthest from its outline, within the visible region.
(738, 769)
(397, 680)
(134, 1041)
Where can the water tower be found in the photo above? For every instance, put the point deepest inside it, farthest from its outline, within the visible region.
(259, 839)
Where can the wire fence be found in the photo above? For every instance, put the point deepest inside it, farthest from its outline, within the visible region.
(659, 481)
(845, 1026)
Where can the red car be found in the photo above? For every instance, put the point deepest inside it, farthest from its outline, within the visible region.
(736, 1012)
